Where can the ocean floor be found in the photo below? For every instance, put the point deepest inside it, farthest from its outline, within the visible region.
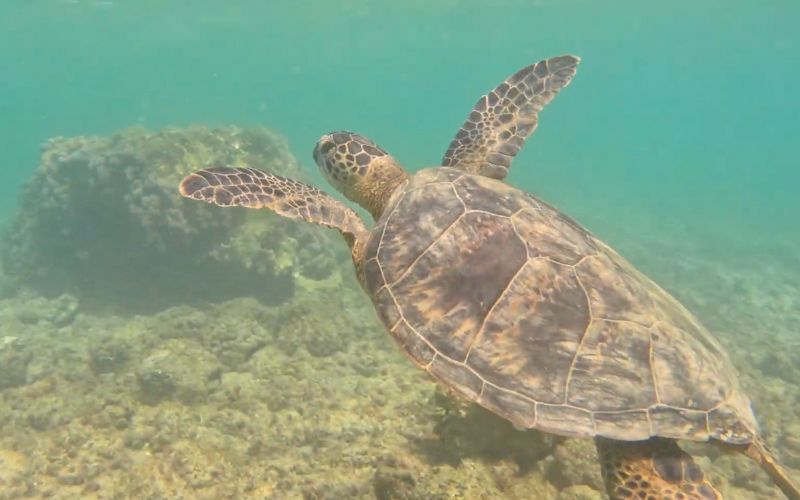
(305, 396)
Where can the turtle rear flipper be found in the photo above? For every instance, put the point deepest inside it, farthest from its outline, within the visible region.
(758, 452)
(501, 120)
(252, 188)
(656, 468)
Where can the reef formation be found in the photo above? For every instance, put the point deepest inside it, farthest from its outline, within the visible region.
(101, 219)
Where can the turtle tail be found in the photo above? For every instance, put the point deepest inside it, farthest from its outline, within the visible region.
(758, 451)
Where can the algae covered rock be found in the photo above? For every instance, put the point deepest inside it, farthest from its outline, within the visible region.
(233, 337)
(108, 355)
(574, 462)
(466, 430)
(102, 219)
(580, 492)
(58, 312)
(14, 360)
(324, 319)
(392, 480)
(180, 369)
(790, 441)
(781, 364)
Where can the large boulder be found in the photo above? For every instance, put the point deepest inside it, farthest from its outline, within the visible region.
(102, 219)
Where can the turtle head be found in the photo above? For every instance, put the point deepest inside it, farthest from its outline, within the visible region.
(360, 169)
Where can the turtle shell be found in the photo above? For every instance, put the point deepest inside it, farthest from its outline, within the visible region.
(516, 307)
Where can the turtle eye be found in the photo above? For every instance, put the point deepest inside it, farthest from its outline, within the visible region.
(322, 148)
(326, 146)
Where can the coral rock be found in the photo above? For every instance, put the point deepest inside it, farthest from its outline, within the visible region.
(102, 219)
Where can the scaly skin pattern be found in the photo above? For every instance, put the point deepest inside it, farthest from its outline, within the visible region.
(500, 122)
(252, 188)
(656, 469)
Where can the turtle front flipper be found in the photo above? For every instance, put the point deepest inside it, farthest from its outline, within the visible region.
(656, 468)
(501, 120)
(251, 188)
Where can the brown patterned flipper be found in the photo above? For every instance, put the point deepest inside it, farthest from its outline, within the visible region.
(759, 452)
(501, 120)
(251, 188)
(656, 468)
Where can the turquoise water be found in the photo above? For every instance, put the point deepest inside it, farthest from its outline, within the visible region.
(676, 141)
(684, 108)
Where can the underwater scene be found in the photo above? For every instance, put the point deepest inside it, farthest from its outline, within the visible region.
(610, 311)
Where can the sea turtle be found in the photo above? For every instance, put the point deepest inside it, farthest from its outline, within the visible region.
(513, 305)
